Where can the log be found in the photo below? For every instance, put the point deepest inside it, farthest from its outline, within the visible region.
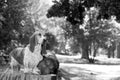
(10, 75)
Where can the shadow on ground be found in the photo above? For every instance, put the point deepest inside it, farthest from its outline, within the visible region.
(77, 74)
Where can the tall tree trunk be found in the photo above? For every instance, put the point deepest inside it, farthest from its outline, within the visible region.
(118, 50)
(113, 54)
(109, 53)
(111, 50)
(85, 49)
(95, 46)
(95, 52)
(90, 49)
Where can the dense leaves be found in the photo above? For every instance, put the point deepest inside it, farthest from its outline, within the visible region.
(73, 11)
(12, 13)
(13, 23)
(94, 28)
(51, 42)
(110, 7)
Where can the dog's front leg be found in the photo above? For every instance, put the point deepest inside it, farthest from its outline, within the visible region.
(26, 67)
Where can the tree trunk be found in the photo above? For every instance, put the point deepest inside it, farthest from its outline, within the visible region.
(95, 47)
(109, 53)
(95, 52)
(118, 50)
(90, 50)
(85, 49)
(113, 55)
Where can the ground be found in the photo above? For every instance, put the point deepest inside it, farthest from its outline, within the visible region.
(104, 69)
(72, 70)
(91, 71)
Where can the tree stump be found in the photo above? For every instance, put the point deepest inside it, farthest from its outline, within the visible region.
(10, 75)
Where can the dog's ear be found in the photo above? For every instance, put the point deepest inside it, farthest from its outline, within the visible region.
(32, 42)
(36, 39)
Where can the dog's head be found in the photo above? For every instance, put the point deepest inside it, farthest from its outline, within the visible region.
(35, 39)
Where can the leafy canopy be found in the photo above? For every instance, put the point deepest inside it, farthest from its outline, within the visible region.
(73, 10)
(96, 28)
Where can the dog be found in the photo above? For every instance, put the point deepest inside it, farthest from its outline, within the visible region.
(28, 57)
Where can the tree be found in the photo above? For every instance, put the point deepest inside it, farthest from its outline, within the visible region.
(12, 14)
(51, 42)
(97, 30)
(16, 20)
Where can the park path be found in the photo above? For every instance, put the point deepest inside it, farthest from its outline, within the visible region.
(98, 72)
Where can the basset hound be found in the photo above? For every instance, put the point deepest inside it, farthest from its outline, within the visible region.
(27, 59)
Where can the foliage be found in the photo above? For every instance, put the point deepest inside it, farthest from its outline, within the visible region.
(95, 29)
(109, 8)
(17, 20)
(51, 42)
(75, 47)
(12, 13)
(98, 30)
(73, 11)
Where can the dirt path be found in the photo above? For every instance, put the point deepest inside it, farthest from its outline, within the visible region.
(92, 72)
